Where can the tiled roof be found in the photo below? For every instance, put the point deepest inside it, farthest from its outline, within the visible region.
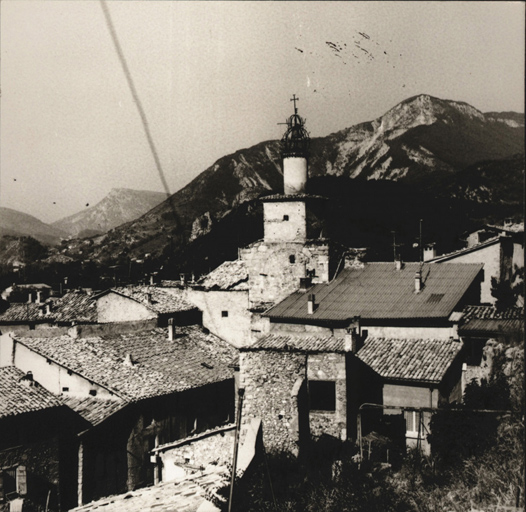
(294, 342)
(185, 495)
(92, 409)
(490, 320)
(160, 366)
(19, 398)
(158, 299)
(509, 228)
(466, 250)
(25, 312)
(75, 306)
(231, 275)
(379, 291)
(419, 360)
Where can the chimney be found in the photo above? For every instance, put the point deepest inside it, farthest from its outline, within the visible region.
(48, 308)
(418, 281)
(311, 304)
(398, 264)
(148, 297)
(353, 336)
(39, 297)
(30, 297)
(305, 283)
(128, 360)
(183, 279)
(171, 329)
(152, 281)
(41, 311)
(27, 379)
(430, 252)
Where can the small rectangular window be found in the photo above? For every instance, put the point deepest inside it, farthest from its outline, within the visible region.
(322, 395)
(224, 314)
(285, 217)
(93, 392)
(292, 258)
(65, 390)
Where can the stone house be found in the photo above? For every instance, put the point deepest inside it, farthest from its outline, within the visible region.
(499, 248)
(136, 303)
(37, 438)
(326, 347)
(132, 389)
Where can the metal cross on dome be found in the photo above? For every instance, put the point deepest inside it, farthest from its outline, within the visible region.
(294, 99)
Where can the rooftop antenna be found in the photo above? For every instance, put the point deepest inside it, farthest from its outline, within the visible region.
(395, 245)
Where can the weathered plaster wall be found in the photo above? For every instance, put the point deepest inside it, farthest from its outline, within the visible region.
(113, 307)
(277, 228)
(329, 367)
(402, 395)
(49, 374)
(491, 257)
(234, 328)
(269, 379)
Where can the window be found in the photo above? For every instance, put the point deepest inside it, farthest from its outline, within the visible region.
(292, 258)
(285, 217)
(322, 395)
(93, 392)
(224, 314)
(65, 390)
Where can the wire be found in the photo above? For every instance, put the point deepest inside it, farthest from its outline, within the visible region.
(136, 99)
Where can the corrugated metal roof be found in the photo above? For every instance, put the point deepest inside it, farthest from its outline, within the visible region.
(160, 366)
(292, 342)
(379, 291)
(417, 360)
(19, 398)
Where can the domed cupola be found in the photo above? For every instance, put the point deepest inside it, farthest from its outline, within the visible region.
(294, 147)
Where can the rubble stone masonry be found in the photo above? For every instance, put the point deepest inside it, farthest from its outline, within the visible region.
(270, 379)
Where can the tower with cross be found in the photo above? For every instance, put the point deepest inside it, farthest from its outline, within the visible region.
(294, 150)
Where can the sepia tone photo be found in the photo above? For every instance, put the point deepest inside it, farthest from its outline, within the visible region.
(262, 256)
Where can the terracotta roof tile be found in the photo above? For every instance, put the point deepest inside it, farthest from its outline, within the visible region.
(18, 397)
(420, 360)
(75, 306)
(490, 320)
(293, 342)
(231, 275)
(157, 298)
(160, 366)
(379, 291)
(92, 409)
(25, 312)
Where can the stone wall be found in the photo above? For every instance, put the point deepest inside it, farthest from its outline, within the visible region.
(285, 221)
(215, 449)
(329, 367)
(269, 379)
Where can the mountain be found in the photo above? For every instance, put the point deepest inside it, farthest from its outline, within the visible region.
(423, 142)
(15, 223)
(121, 205)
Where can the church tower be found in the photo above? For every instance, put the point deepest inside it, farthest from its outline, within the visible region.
(293, 247)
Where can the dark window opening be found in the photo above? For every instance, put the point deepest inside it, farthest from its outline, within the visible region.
(322, 395)
(224, 314)
(65, 390)
(292, 258)
(285, 217)
(93, 392)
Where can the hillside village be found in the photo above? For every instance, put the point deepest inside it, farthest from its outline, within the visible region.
(160, 396)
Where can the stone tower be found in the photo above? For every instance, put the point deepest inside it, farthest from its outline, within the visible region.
(293, 246)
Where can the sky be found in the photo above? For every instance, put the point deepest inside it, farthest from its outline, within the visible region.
(198, 80)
